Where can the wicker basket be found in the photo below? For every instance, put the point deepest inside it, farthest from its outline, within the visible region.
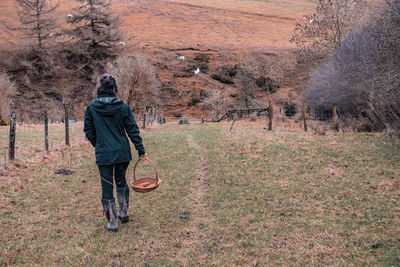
(146, 184)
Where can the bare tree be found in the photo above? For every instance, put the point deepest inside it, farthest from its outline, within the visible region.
(394, 10)
(322, 31)
(7, 91)
(37, 20)
(136, 79)
(363, 77)
(217, 102)
(95, 28)
(246, 94)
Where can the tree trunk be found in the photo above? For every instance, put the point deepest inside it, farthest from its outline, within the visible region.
(155, 115)
(144, 120)
(13, 126)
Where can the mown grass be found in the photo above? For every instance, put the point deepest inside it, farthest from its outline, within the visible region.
(273, 199)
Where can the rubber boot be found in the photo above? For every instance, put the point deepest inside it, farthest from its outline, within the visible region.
(111, 214)
(123, 201)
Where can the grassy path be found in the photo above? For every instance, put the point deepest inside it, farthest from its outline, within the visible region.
(246, 198)
(198, 231)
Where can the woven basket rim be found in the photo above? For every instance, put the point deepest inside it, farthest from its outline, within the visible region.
(153, 186)
(155, 181)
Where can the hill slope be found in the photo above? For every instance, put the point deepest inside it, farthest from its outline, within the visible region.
(227, 32)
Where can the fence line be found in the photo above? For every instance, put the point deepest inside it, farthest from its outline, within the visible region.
(152, 115)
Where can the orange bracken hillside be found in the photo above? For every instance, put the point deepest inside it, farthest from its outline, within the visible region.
(208, 33)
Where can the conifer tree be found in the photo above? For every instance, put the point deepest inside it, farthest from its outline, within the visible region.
(36, 20)
(95, 29)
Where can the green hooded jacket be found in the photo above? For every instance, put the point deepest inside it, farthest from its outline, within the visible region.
(107, 121)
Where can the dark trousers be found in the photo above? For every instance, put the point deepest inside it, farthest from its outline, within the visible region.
(107, 174)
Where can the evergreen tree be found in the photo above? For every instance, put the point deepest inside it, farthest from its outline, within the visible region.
(95, 29)
(36, 20)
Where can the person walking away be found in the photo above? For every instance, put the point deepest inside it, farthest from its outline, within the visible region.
(108, 121)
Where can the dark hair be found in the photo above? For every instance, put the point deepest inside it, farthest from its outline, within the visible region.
(107, 85)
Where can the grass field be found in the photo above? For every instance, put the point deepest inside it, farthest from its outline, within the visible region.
(251, 197)
(29, 143)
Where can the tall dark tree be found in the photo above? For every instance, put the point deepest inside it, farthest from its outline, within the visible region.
(95, 29)
(37, 20)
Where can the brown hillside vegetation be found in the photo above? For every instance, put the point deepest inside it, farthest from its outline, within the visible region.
(208, 33)
(160, 23)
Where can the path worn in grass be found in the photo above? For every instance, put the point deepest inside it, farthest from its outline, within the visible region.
(198, 231)
(262, 198)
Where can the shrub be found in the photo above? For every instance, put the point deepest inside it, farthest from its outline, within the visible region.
(221, 79)
(4, 122)
(136, 79)
(267, 84)
(362, 78)
(290, 109)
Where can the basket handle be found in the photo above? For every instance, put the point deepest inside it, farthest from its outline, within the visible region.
(152, 163)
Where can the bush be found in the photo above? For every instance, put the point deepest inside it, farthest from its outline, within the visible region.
(221, 79)
(228, 70)
(290, 109)
(267, 84)
(137, 82)
(4, 122)
(363, 77)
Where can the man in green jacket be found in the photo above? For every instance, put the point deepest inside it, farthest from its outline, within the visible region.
(107, 122)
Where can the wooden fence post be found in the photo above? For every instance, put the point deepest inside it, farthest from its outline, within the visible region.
(66, 122)
(46, 131)
(305, 117)
(144, 120)
(13, 126)
(148, 117)
(233, 123)
(335, 125)
(270, 115)
(155, 115)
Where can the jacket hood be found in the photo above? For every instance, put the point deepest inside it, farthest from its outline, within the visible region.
(108, 105)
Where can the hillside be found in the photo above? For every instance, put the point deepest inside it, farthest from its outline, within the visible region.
(208, 33)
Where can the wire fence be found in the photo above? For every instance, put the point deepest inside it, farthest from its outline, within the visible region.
(44, 137)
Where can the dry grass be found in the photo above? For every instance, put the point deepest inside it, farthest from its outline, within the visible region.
(277, 198)
(30, 147)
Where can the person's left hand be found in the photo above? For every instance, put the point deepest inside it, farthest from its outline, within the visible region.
(143, 157)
